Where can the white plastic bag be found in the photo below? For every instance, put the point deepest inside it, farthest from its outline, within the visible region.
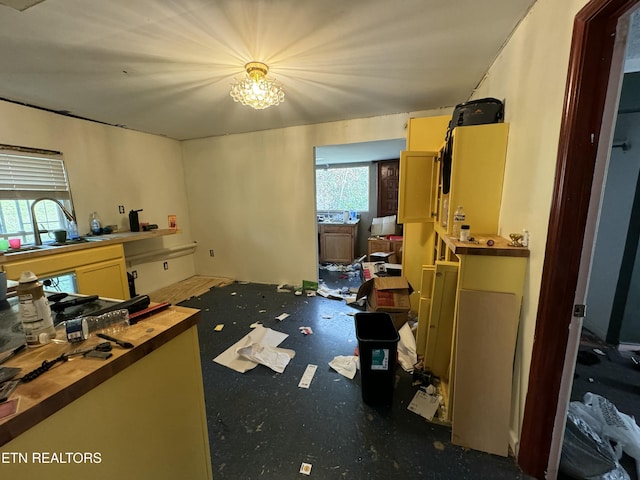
(615, 426)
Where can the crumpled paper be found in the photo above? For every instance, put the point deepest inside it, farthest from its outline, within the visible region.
(407, 356)
(345, 365)
(275, 358)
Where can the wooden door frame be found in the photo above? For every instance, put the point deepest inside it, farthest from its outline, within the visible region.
(586, 89)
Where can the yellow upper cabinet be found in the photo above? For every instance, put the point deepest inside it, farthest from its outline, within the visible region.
(477, 172)
(418, 169)
(427, 133)
(417, 184)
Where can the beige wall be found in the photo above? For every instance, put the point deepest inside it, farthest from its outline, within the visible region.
(530, 75)
(111, 166)
(252, 197)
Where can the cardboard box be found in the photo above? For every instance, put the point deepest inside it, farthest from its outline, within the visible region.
(388, 295)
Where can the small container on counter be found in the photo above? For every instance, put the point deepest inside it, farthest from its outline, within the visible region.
(464, 233)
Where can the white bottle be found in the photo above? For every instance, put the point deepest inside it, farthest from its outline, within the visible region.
(459, 218)
(34, 311)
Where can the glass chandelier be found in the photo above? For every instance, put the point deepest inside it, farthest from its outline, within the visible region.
(255, 89)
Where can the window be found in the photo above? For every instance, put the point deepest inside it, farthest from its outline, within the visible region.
(26, 175)
(342, 188)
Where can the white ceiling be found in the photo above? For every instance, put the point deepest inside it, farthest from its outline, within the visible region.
(165, 67)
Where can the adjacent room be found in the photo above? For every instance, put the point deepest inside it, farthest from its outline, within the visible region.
(266, 239)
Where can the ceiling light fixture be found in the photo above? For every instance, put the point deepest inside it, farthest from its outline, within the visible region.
(256, 90)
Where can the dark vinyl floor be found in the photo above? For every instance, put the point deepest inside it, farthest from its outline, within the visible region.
(263, 426)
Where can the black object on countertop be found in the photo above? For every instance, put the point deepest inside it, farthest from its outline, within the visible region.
(134, 223)
(132, 305)
(60, 306)
(13, 353)
(121, 343)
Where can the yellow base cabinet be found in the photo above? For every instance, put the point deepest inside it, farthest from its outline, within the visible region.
(147, 421)
(474, 315)
(106, 279)
(99, 271)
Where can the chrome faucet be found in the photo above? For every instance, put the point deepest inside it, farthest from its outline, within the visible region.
(36, 230)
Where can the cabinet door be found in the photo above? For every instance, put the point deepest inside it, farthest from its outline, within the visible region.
(106, 279)
(427, 133)
(424, 307)
(337, 247)
(437, 357)
(417, 187)
(477, 173)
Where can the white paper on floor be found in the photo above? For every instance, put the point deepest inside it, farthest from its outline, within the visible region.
(345, 365)
(307, 376)
(424, 404)
(407, 348)
(275, 358)
(261, 335)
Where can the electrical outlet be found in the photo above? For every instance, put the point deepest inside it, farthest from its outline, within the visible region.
(211, 253)
(120, 208)
(165, 265)
(134, 274)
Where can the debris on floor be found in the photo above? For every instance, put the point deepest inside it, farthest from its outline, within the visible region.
(275, 358)
(346, 365)
(305, 468)
(407, 356)
(307, 376)
(259, 335)
(305, 330)
(282, 316)
(219, 327)
(425, 404)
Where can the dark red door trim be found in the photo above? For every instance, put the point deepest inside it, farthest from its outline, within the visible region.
(587, 82)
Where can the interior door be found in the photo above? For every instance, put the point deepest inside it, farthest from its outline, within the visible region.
(388, 182)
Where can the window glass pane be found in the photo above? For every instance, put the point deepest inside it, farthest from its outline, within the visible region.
(342, 188)
(26, 176)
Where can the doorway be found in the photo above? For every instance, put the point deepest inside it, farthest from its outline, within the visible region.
(591, 94)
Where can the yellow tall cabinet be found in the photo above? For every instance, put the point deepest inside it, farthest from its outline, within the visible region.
(470, 293)
(417, 194)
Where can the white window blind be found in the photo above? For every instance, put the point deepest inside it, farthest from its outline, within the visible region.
(23, 174)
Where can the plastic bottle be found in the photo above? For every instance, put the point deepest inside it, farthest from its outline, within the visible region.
(459, 218)
(95, 224)
(82, 328)
(34, 311)
(72, 230)
(445, 211)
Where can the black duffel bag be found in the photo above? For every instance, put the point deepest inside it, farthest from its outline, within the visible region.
(477, 112)
(473, 112)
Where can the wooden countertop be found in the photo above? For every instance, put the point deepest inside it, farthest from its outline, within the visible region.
(110, 239)
(501, 247)
(67, 381)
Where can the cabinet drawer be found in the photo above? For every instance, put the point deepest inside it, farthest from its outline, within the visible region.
(348, 229)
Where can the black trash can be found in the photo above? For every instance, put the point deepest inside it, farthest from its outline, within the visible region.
(378, 347)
